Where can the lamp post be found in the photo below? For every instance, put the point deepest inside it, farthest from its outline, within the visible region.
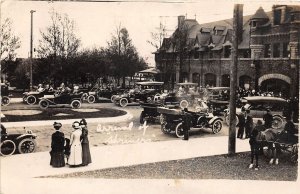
(31, 39)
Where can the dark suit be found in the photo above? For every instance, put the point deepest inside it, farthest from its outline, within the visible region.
(241, 125)
(57, 149)
(248, 125)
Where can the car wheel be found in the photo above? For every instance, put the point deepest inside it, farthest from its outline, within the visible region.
(31, 100)
(216, 126)
(91, 99)
(27, 145)
(5, 100)
(277, 122)
(75, 104)
(84, 97)
(7, 148)
(123, 102)
(184, 104)
(227, 119)
(112, 98)
(142, 117)
(179, 130)
(44, 104)
(24, 99)
(163, 124)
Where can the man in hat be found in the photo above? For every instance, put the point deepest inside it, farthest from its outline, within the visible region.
(57, 147)
(268, 118)
(241, 124)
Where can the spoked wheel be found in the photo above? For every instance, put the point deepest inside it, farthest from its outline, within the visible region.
(75, 104)
(277, 122)
(5, 100)
(44, 104)
(31, 100)
(8, 147)
(184, 104)
(179, 130)
(91, 99)
(123, 102)
(216, 126)
(163, 124)
(26, 146)
(112, 98)
(24, 99)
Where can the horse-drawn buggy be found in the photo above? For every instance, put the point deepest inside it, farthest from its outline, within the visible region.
(171, 119)
(5, 100)
(16, 143)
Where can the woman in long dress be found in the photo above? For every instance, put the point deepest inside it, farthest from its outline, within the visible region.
(57, 147)
(75, 158)
(86, 155)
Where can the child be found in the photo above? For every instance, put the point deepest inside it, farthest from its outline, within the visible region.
(67, 148)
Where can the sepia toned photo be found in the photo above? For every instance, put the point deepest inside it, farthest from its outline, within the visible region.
(149, 96)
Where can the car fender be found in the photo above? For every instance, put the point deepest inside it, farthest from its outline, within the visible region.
(277, 115)
(33, 136)
(214, 119)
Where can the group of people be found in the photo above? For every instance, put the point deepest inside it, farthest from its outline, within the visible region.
(74, 151)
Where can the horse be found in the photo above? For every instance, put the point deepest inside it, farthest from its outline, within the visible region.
(267, 138)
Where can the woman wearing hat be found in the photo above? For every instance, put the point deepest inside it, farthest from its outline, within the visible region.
(57, 147)
(75, 158)
(86, 155)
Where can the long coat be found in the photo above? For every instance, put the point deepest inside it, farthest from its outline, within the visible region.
(86, 155)
(57, 149)
(75, 157)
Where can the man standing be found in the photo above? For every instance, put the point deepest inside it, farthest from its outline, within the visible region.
(268, 118)
(248, 123)
(241, 124)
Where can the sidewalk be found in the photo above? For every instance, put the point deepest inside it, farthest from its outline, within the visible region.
(18, 171)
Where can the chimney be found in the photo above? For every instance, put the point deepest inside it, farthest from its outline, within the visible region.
(181, 19)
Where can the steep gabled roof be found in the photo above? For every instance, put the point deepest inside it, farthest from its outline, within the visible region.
(260, 14)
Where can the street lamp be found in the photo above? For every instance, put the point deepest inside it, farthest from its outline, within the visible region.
(31, 39)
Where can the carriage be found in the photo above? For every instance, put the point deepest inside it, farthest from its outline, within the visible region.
(17, 143)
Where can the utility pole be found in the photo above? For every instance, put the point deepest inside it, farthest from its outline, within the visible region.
(31, 39)
(237, 25)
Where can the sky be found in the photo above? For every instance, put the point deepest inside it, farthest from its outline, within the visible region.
(96, 21)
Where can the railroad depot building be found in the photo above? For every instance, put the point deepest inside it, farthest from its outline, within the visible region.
(268, 51)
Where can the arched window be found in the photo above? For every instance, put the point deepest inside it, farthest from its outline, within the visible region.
(210, 79)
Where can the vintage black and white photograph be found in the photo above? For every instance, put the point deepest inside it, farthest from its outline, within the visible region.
(149, 96)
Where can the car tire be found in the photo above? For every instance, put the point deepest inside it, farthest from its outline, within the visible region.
(163, 124)
(75, 104)
(112, 98)
(216, 126)
(277, 122)
(24, 99)
(91, 99)
(123, 102)
(7, 148)
(27, 145)
(5, 100)
(31, 100)
(179, 130)
(44, 104)
(184, 104)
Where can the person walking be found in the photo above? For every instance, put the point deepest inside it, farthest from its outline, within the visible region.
(86, 155)
(254, 145)
(268, 118)
(57, 147)
(241, 124)
(75, 158)
(248, 124)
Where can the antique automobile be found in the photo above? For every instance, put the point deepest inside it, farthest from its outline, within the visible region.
(144, 92)
(258, 106)
(61, 99)
(150, 113)
(184, 96)
(32, 97)
(5, 100)
(218, 99)
(171, 119)
(17, 143)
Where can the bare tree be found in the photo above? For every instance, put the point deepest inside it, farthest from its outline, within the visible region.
(158, 36)
(8, 41)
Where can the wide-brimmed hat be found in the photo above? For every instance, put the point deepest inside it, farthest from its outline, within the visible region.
(83, 122)
(76, 125)
(57, 125)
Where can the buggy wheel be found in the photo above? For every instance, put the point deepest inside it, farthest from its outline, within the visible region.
(75, 104)
(179, 131)
(142, 117)
(31, 100)
(123, 102)
(5, 100)
(216, 126)
(227, 119)
(112, 98)
(277, 122)
(184, 104)
(26, 146)
(91, 99)
(8, 147)
(44, 104)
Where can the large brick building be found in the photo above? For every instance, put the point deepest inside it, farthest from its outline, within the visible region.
(268, 51)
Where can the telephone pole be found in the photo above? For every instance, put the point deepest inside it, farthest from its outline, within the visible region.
(237, 26)
(31, 39)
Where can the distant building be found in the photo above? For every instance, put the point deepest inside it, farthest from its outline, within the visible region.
(268, 51)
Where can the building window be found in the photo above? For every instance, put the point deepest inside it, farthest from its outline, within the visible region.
(246, 53)
(253, 23)
(277, 16)
(285, 50)
(276, 50)
(227, 51)
(267, 51)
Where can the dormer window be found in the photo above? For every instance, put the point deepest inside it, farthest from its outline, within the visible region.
(253, 24)
(277, 16)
